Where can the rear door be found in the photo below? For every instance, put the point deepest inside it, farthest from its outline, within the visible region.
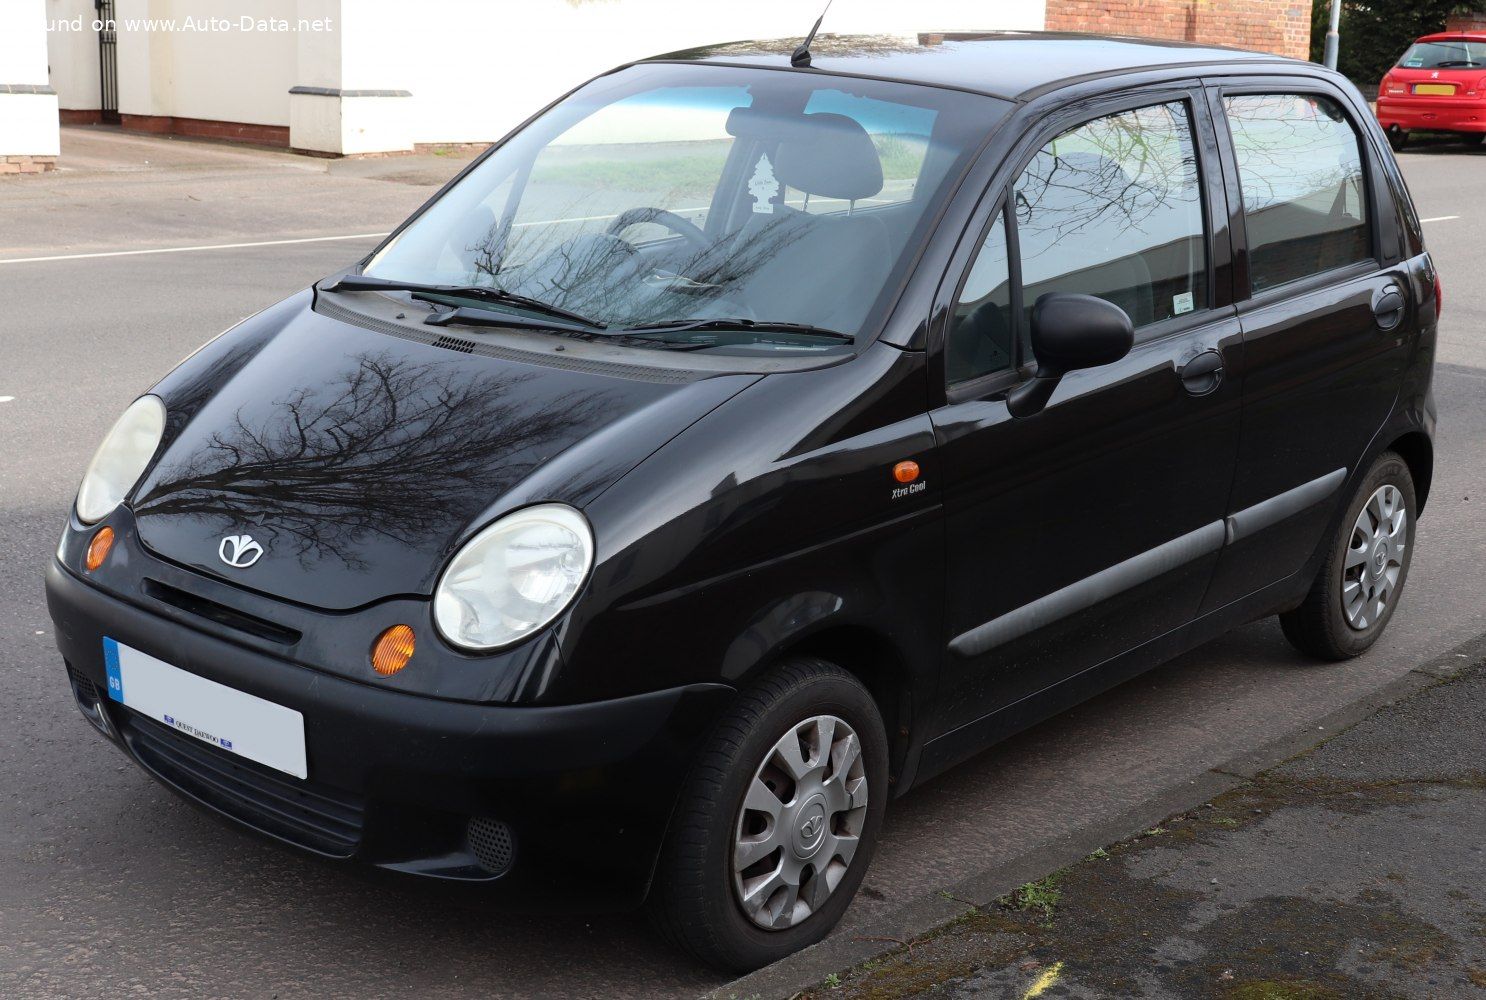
(1326, 308)
(1092, 527)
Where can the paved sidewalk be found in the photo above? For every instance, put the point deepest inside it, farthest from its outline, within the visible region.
(116, 191)
(1353, 870)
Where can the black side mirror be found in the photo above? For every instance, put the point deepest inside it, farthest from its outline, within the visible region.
(1069, 332)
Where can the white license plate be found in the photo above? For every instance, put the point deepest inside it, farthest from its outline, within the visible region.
(214, 713)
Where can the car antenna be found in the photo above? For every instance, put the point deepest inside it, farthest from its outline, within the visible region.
(801, 56)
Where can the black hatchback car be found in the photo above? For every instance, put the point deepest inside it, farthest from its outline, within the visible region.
(747, 439)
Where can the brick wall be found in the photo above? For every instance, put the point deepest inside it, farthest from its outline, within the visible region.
(1466, 22)
(1282, 26)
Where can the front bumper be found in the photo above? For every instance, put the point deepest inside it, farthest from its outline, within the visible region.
(582, 792)
(1432, 116)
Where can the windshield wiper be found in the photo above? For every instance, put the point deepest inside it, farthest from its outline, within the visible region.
(509, 321)
(734, 326)
(485, 293)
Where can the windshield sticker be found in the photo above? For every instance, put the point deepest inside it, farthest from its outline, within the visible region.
(1181, 303)
(764, 186)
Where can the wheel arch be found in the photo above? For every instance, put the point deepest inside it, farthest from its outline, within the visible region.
(884, 671)
(1417, 451)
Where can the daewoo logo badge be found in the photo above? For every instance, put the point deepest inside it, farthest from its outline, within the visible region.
(239, 551)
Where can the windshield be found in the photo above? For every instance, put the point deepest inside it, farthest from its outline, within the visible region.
(667, 195)
(1448, 54)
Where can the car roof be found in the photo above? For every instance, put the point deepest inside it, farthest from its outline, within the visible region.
(1453, 36)
(1005, 64)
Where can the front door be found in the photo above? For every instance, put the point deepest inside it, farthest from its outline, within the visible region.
(1088, 529)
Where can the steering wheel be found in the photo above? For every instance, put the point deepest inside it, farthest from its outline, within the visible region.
(660, 217)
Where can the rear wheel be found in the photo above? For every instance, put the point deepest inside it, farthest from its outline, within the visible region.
(1397, 138)
(778, 819)
(1358, 587)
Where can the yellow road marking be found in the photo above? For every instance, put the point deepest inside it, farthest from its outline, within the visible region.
(1044, 981)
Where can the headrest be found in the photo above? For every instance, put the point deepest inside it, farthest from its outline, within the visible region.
(831, 158)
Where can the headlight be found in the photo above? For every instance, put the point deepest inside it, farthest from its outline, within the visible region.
(514, 577)
(121, 458)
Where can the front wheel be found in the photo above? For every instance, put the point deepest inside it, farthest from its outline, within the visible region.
(778, 819)
(1357, 590)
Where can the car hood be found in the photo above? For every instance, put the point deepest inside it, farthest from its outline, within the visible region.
(359, 460)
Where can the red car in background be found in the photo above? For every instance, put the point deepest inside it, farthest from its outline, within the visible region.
(1438, 86)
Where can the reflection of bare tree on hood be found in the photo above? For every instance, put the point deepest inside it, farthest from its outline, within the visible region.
(389, 449)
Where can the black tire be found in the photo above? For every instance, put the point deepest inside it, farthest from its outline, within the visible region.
(1397, 138)
(1320, 626)
(693, 901)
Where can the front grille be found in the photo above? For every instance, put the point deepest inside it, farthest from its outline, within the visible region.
(492, 844)
(308, 816)
(220, 613)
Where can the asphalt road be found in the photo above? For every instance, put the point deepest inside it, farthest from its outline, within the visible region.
(109, 884)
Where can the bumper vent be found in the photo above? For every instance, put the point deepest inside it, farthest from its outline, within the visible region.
(308, 816)
(492, 844)
(89, 700)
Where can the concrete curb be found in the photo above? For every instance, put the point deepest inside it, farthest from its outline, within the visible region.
(885, 933)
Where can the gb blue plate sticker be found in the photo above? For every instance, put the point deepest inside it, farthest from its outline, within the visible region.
(111, 664)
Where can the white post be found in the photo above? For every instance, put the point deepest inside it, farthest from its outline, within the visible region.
(29, 138)
(347, 100)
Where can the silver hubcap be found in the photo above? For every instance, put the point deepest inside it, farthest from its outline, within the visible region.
(800, 823)
(1374, 557)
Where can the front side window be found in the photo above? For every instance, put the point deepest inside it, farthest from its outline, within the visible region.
(1300, 169)
(981, 334)
(1113, 208)
(741, 204)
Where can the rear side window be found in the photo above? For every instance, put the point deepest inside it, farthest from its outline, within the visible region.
(1113, 208)
(1300, 168)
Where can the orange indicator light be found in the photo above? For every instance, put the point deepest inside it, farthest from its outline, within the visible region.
(99, 547)
(905, 472)
(392, 650)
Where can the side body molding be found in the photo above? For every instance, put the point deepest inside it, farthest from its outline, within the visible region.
(1148, 565)
(1090, 590)
(1269, 512)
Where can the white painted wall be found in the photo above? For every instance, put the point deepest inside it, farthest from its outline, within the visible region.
(475, 68)
(197, 71)
(72, 50)
(23, 41)
(235, 76)
(514, 56)
(28, 122)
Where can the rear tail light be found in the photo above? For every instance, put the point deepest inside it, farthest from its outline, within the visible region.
(1439, 296)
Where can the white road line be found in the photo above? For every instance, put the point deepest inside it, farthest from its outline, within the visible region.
(216, 246)
(1440, 218)
(357, 236)
(7, 399)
